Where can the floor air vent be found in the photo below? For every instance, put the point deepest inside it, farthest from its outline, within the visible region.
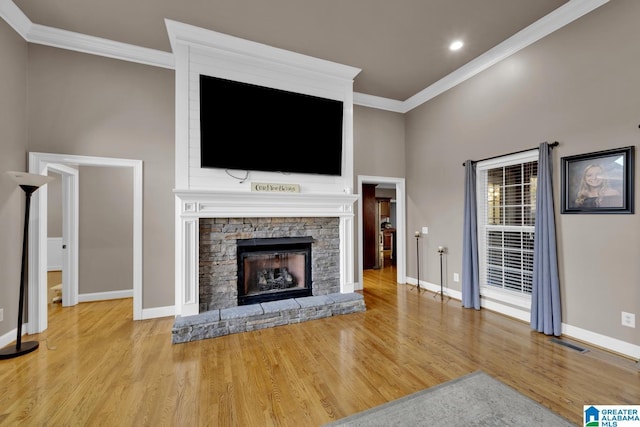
(570, 345)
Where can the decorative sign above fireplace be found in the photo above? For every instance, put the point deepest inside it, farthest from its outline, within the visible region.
(266, 187)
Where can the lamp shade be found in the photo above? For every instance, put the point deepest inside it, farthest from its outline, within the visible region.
(29, 179)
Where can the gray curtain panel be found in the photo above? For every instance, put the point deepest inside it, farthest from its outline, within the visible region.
(545, 298)
(470, 269)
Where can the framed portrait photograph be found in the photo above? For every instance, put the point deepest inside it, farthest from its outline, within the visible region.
(598, 183)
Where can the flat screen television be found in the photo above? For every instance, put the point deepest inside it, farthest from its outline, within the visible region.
(256, 128)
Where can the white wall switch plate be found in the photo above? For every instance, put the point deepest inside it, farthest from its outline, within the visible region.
(456, 277)
(425, 230)
(628, 319)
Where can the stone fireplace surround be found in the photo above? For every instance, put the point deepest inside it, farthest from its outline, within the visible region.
(218, 272)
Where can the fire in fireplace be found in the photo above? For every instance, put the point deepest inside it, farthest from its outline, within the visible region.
(273, 269)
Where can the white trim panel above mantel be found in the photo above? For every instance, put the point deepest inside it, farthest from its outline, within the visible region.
(204, 52)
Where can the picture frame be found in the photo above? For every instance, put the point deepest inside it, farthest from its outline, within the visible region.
(598, 183)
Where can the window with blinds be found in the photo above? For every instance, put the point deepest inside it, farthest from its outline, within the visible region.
(506, 220)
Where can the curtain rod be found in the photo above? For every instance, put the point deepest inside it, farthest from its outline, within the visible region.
(552, 145)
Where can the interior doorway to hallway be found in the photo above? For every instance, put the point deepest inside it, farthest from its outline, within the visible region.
(379, 239)
(41, 163)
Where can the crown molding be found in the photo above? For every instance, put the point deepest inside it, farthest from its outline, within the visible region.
(15, 17)
(36, 33)
(55, 37)
(378, 102)
(63, 39)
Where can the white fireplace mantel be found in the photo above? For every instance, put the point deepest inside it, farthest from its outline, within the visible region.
(226, 204)
(193, 205)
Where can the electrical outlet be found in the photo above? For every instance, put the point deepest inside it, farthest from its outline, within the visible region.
(1, 314)
(456, 277)
(628, 319)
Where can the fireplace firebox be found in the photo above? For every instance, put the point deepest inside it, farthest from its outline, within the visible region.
(272, 269)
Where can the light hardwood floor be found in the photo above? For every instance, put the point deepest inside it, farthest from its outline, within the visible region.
(95, 366)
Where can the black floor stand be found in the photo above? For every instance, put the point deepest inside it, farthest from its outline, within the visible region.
(441, 251)
(418, 260)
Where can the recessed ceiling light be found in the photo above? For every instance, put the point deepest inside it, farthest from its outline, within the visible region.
(456, 45)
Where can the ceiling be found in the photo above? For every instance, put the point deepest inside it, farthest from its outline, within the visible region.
(400, 45)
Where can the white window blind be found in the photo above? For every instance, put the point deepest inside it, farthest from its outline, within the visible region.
(506, 189)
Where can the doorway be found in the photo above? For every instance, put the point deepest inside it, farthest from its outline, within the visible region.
(40, 163)
(68, 194)
(382, 218)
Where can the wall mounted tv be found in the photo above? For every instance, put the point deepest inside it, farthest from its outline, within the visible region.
(255, 128)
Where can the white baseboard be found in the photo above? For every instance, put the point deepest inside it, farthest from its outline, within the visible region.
(516, 313)
(435, 288)
(153, 313)
(103, 296)
(599, 340)
(602, 341)
(593, 338)
(10, 336)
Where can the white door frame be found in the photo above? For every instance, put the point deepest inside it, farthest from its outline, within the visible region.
(40, 163)
(70, 234)
(401, 227)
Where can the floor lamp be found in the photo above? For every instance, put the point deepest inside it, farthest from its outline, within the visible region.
(29, 183)
(417, 234)
(442, 250)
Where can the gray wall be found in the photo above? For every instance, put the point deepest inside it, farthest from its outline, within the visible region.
(105, 226)
(378, 143)
(93, 106)
(378, 150)
(579, 86)
(105, 229)
(13, 146)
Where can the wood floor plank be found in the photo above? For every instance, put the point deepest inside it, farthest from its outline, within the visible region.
(96, 366)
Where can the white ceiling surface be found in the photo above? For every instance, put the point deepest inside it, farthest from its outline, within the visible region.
(401, 46)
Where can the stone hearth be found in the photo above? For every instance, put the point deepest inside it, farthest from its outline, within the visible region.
(245, 318)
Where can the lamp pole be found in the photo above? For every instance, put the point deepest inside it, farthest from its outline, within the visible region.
(441, 278)
(442, 250)
(29, 183)
(417, 234)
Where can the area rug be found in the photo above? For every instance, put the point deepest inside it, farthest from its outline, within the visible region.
(475, 399)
